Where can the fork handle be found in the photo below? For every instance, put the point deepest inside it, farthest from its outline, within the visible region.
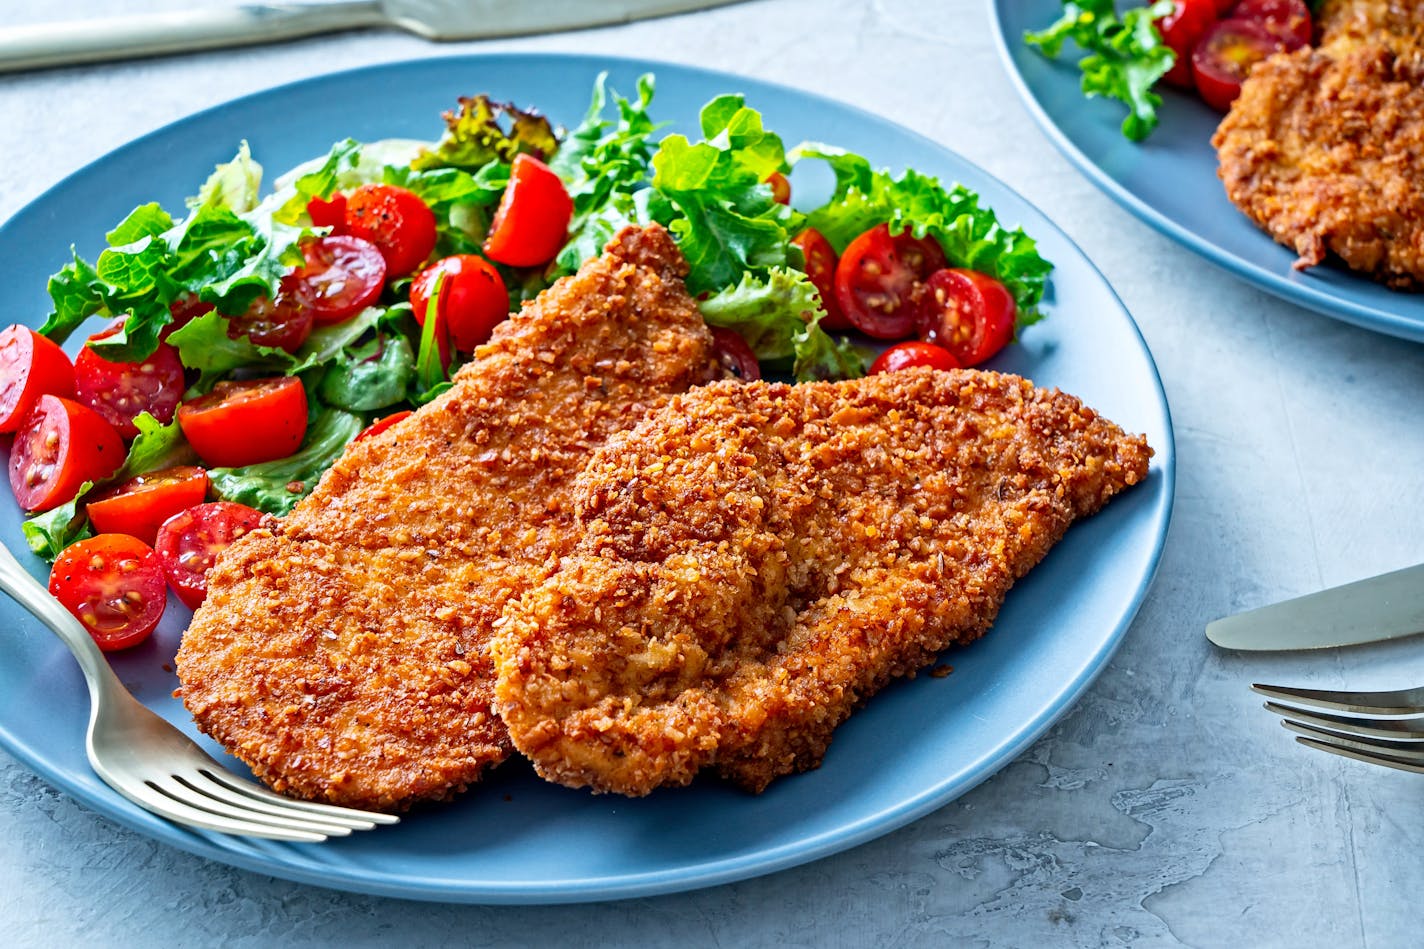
(25, 590)
(66, 44)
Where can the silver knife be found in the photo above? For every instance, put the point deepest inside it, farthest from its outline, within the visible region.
(67, 44)
(1385, 607)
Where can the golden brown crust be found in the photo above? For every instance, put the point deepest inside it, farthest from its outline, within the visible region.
(1345, 25)
(1324, 148)
(757, 560)
(343, 657)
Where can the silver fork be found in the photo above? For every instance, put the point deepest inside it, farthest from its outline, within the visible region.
(1394, 741)
(155, 765)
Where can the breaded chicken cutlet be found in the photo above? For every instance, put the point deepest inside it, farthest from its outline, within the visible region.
(1324, 148)
(757, 560)
(342, 653)
(1345, 25)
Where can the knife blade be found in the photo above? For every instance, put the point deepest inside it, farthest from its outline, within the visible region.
(1388, 606)
(45, 45)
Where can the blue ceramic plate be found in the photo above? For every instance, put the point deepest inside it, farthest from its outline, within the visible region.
(516, 839)
(1170, 182)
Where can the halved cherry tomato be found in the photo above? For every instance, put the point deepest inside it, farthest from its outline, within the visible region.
(61, 445)
(381, 424)
(189, 543)
(283, 322)
(1288, 19)
(780, 187)
(138, 506)
(880, 280)
(113, 584)
(911, 354)
(341, 276)
(30, 366)
(394, 219)
(328, 213)
(119, 391)
(1180, 30)
(968, 313)
(1226, 54)
(821, 263)
(473, 300)
(533, 216)
(734, 354)
(246, 422)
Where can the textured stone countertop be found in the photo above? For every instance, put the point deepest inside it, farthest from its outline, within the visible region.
(1165, 809)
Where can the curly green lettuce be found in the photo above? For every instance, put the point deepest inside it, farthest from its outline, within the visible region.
(1126, 55)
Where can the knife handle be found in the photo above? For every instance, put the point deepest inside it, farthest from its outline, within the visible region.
(45, 45)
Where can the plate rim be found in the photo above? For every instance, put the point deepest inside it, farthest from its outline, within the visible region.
(91, 793)
(1261, 277)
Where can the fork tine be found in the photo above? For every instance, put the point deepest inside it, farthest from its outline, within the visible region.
(221, 795)
(323, 811)
(166, 805)
(175, 788)
(1397, 728)
(1403, 750)
(1398, 702)
(1368, 757)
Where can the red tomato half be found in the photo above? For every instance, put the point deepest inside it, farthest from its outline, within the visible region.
(113, 584)
(880, 280)
(189, 543)
(381, 424)
(120, 391)
(342, 276)
(30, 366)
(734, 354)
(821, 263)
(780, 187)
(473, 300)
(968, 313)
(283, 322)
(246, 422)
(394, 219)
(329, 213)
(911, 354)
(533, 216)
(1226, 54)
(61, 445)
(138, 506)
(1288, 19)
(1181, 29)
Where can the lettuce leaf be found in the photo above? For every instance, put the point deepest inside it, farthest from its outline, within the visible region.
(971, 235)
(1126, 56)
(225, 250)
(475, 136)
(713, 197)
(779, 316)
(49, 533)
(604, 162)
